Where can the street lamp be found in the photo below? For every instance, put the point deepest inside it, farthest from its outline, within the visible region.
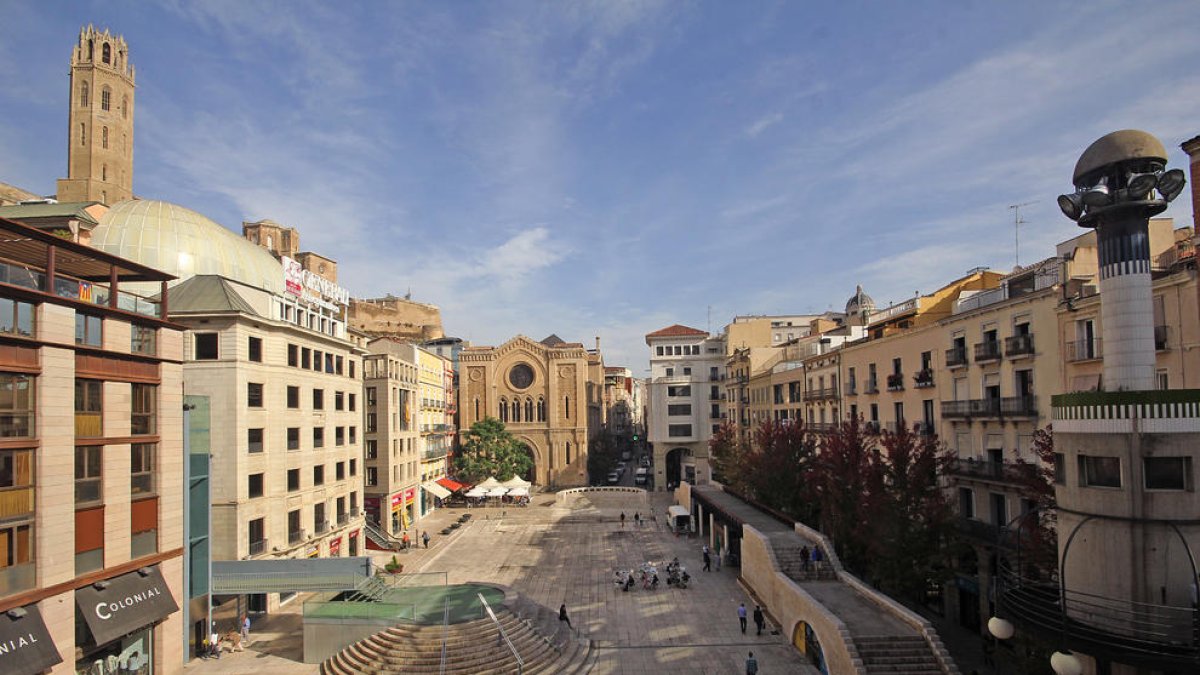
(1065, 663)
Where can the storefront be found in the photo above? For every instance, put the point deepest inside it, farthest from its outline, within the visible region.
(119, 614)
(402, 509)
(432, 495)
(335, 547)
(25, 645)
(354, 543)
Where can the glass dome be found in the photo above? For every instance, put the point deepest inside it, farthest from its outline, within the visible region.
(182, 242)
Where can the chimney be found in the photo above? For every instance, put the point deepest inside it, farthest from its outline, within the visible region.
(597, 344)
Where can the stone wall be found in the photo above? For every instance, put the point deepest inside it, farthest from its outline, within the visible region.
(396, 316)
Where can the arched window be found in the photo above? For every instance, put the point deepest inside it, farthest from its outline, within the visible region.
(106, 99)
(567, 407)
(83, 95)
(568, 452)
(82, 134)
(528, 410)
(541, 409)
(125, 107)
(104, 172)
(516, 410)
(503, 410)
(476, 407)
(104, 138)
(91, 50)
(106, 53)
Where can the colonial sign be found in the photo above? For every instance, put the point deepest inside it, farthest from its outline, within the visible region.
(312, 288)
(25, 644)
(117, 606)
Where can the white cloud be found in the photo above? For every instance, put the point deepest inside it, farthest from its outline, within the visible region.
(763, 123)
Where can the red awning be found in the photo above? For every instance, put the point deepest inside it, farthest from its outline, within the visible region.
(450, 485)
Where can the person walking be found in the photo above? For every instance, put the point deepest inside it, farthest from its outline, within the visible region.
(742, 616)
(751, 665)
(759, 620)
(818, 557)
(246, 629)
(804, 557)
(425, 538)
(562, 615)
(622, 520)
(637, 519)
(707, 560)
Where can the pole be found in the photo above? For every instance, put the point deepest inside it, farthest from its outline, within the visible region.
(1017, 222)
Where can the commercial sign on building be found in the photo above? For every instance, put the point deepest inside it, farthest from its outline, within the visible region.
(25, 645)
(312, 288)
(114, 607)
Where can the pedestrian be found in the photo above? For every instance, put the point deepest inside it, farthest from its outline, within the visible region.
(562, 615)
(742, 616)
(759, 620)
(425, 538)
(804, 557)
(751, 665)
(245, 628)
(818, 557)
(404, 541)
(718, 553)
(637, 519)
(707, 561)
(214, 642)
(622, 520)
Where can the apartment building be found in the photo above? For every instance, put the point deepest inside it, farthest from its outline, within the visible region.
(91, 460)
(435, 392)
(391, 437)
(683, 397)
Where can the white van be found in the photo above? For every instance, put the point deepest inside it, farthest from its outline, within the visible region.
(641, 476)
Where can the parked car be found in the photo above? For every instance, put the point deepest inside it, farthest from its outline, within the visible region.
(641, 476)
(613, 477)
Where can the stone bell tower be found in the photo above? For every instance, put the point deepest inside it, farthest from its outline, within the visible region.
(100, 136)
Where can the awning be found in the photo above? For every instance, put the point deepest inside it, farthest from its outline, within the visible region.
(453, 486)
(476, 492)
(677, 511)
(123, 604)
(436, 490)
(518, 492)
(25, 645)
(497, 492)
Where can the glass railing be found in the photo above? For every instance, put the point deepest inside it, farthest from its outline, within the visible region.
(16, 425)
(68, 287)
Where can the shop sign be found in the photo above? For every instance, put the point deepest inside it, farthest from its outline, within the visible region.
(25, 645)
(312, 288)
(409, 495)
(397, 501)
(114, 607)
(354, 534)
(313, 551)
(335, 546)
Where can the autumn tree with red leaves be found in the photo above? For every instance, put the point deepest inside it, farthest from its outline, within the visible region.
(779, 468)
(849, 485)
(728, 458)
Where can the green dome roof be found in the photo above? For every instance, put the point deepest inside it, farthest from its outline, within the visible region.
(182, 242)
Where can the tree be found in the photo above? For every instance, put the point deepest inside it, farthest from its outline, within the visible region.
(848, 481)
(728, 456)
(603, 451)
(488, 449)
(778, 468)
(1039, 535)
(915, 522)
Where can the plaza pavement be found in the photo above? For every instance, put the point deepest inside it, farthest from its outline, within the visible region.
(555, 555)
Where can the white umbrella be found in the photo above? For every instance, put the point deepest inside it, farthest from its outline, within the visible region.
(476, 492)
(497, 492)
(516, 482)
(489, 484)
(518, 492)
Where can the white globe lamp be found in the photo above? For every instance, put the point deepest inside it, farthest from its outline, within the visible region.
(1065, 663)
(1000, 628)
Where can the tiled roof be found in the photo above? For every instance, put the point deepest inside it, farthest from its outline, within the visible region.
(676, 331)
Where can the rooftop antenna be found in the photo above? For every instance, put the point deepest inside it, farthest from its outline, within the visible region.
(709, 326)
(1018, 221)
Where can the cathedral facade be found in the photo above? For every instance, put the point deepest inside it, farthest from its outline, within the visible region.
(543, 393)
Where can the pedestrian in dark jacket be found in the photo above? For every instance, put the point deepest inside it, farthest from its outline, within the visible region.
(759, 619)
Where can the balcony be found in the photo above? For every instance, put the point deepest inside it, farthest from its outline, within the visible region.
(923, 379)
(1018, 345)
(987, 351)
(1004, 472)
(433, 453)
(258, 547)
(872, 426)
(956, 357)
(851, 389)
(895, 382)
(1019, 406)
(295, 537)
(926, 429)
(342, 519)
(322, 527)
(1160, 338)
(1084, 350)
(820, 427)
(976, 407)
(17, 425)
(986, 533)
(871, 387)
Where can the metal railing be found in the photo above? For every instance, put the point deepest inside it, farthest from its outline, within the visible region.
(1018, 345)
(872, 386)
(258, 547)
(1160, 338)
(956, 356)
(895, 382)
(988, 350)
(445, 634)
(295, 537)
(1084, 350)
(503, 634)
(923, 378)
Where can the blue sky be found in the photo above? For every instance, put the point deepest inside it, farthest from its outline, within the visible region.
(609, 168)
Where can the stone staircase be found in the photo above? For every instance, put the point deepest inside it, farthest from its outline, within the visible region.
(897, 654)
(791, 562)
(545, 644)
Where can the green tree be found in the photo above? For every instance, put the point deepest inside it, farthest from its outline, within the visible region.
(728, 457)
(488, 449)
(603, 451)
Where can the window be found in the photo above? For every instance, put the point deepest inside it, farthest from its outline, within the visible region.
(83, 95)
(143, 340)
(89, 399)
(372, 449)
(258, 536)
(354, 467)
(293, 397)
(679, 391)
(16, 405)
(372, 423)
(679, 430)
(679, 409)
(206, 346)
(141, 469)
(370, 397)
(107, 55)
(82, 134)
(318, 437)
(293, 480)
(966, 502)
(1097, 471)
(16, 317)
(87, 330)
(305, 355)
(319, 474)
(318, 399)
(124, 107)
(254, 485)
(104, 138)
(254, 395)
(340, 474)
(256, 349)
(293, 438)
(1060, 469)
(353, 435)
(353, 402)
(106, 96)
(567, 407)
(295, 532)
(254, 440)
(87, 474)
(351, 363)
(145, 406)
(687, 371)
(670, 372)
(1168, 473)
(372, 476)
(328, 363)
(528, 410)
(660, 350)
(337, 365)
(293, 355)
(339, 400)
(16, 533)
(339, 436)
